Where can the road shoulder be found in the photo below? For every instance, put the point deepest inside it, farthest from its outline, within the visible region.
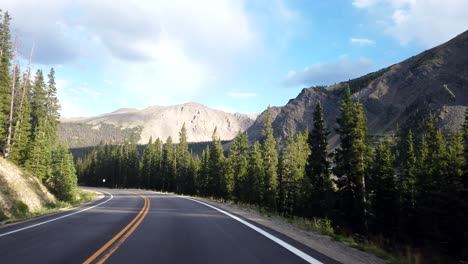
(321, 243)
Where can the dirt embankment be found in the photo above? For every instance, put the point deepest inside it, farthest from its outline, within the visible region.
(20, 194)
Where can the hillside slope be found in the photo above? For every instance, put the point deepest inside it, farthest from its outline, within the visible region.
(20, 193)
(399, 96)
(155, 121)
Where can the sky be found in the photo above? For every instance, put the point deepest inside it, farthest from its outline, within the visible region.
(232, 55)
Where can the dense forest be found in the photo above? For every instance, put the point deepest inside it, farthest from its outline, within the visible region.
(29, 117)
(409, 190)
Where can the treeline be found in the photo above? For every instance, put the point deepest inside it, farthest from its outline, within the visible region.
(409, 190)
(29, 117)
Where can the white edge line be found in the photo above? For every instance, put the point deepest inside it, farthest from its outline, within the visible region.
(287, 246)
(58, 218)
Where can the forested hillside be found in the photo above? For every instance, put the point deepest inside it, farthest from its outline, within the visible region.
(29, 117)
(406, 193)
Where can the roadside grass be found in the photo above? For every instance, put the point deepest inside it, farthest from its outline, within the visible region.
(324, 226)
(22, 213)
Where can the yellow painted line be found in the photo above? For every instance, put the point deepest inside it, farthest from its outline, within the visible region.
(120, 242)
(140, 215)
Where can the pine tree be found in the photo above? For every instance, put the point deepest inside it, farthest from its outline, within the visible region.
(318, 167)
(6, 56)
(237, 164)
(38, 102)
(203, 174)
(62, 180)
(217, 184)
(453, 207)
(22, 135)
(385, 195)
(132, 165)
(168, 165)
(429, 181)
(252, 185)
(407, 187)
(146, 164)
(352, 161)
(156, 170)
(39, 157)
(183, 175)
(270, 163)
(52, 105)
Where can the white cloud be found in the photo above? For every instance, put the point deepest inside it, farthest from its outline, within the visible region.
(427, 22)
(362, 41)
(364, 3)
(71, 105)
(329, 72)
(242, 95)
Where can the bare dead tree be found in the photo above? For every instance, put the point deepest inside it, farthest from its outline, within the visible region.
(6, 150)
(28, 75)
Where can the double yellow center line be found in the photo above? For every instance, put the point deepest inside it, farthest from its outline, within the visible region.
(118, 239)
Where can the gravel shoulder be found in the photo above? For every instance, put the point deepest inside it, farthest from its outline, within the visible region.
(321, 243)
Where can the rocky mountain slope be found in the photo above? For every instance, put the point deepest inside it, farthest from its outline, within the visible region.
(155, 121)
(399, 96)
(20, 193)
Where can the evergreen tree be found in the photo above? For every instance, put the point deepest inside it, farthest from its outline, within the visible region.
(168, 165)
(203, 174)
(147, 164)
(52, 105)
(407, 187)
(6, 56)
(21, 137)
(292, 173)
(318, 167)
(38, 101)
(270, 163)
(132, 165)
(352, 160)
(217, 184)
(431, 171)
(453, 208)
(62, 180)
(385, 195)
(237, 164)
(156, 170)
(252, 185)
(183, 176)
(39, 157)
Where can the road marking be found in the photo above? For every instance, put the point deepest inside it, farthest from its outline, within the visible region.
(58, 218)
(132, 226)
(120, 242)
(287, 246)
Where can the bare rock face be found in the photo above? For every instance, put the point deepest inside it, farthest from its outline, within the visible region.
(155, 121)
(397, 97)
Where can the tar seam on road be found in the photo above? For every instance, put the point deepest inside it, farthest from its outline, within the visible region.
(122, 235)
(58, 218)
(280, 242)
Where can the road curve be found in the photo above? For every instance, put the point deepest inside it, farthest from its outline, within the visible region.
(131, 226)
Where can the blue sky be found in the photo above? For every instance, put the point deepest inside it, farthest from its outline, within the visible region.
(233, 55)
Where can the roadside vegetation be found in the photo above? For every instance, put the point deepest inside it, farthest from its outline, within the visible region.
(21, 210)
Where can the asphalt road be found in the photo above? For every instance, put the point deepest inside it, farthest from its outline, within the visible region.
(130, 226)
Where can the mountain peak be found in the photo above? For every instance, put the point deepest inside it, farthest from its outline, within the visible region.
(396, 97)
(154, 121)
